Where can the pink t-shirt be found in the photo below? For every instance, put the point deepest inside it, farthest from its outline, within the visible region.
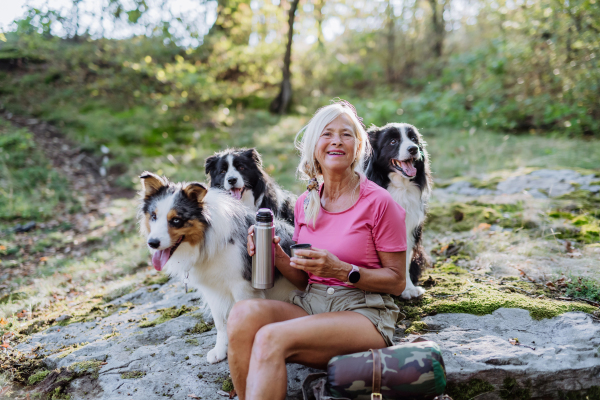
(374, 223)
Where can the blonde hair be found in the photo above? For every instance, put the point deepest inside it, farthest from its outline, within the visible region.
(309, 168)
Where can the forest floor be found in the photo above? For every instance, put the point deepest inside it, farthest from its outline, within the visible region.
(501, 237)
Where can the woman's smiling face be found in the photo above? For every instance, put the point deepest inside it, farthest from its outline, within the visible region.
(337, 146)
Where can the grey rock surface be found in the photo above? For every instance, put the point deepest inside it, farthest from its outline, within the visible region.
(539, 184)
(563, 353)
(161, 360)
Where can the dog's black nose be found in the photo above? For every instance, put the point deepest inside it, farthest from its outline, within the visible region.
(154, 243)
(232, 181)
(413, 150)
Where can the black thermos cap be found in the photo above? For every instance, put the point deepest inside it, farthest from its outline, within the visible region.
(264, 215)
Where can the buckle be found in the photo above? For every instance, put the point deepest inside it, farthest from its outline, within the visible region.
(376, 396)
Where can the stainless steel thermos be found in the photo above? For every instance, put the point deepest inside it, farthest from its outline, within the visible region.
(263, 260)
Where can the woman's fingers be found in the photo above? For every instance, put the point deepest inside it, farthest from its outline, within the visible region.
(250, 243)
(276, 239)
(313, 253)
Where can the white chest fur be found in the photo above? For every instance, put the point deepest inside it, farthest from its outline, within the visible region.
(409, 196)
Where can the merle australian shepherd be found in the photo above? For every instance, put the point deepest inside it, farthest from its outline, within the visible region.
(240, 172)
(400, 164)
(200, 234)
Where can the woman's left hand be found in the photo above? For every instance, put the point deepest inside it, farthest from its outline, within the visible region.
(321, 262)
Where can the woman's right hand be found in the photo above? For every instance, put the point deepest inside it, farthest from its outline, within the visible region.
(250, 244)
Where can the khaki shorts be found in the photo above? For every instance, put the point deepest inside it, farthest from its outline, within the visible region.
(379, 309)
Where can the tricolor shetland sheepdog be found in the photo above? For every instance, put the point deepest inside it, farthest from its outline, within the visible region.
(240, 172)
(400, 164)
(199, 234)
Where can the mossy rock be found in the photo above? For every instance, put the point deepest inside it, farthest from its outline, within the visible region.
(167, 314)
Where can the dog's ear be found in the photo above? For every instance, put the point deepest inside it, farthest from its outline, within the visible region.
(253, 155)
(211, 164)
(373, 133)
(195, 191)
(151, 183)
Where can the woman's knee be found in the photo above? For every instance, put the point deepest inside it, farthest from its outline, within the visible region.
(244, 317)
(269, 343)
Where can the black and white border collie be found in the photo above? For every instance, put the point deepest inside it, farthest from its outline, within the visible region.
(199, 234)
(400, 164)
(240, 172)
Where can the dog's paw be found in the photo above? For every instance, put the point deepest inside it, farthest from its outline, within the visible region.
(412, 292)
(216, 355)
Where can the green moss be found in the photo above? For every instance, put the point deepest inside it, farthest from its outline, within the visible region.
(468, 390)
(133, 375)
(83, 367)
(57, 395)
(416, 327)
(465, 216)
(38, 377)
(192, 341)
(227, 385)
(156, 280)
(200, 327)
(452, 269)
(167, 314)
(512, 391)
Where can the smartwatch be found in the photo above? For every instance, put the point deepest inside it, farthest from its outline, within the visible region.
(354, 275)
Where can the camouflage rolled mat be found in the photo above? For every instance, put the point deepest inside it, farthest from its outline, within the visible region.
(408, 371)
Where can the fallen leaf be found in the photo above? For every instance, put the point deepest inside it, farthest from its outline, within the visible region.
(2, 248)
(6, 345)
(514, 341)
(551, 286)
(43, 259)
(193, 396)
(232, 394)
(222, 393)
(3, 321)
(482, 227)
(4, 390)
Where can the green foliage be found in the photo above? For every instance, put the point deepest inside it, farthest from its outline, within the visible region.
(29, 187)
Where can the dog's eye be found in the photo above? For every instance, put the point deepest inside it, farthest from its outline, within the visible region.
(393, 141)
(153, 217)
(223, 171)
(240, 168)
(175, 220)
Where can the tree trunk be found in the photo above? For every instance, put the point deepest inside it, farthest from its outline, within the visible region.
(391, 44)
(438, 29)
(319, 18)
(282, 101)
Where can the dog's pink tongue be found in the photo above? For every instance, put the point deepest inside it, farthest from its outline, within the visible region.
(236, 193)
(160, 258)
(408, 168)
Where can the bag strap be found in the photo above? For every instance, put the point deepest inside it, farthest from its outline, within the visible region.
(376, 394)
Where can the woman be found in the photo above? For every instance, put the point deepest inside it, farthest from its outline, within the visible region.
(354, 226)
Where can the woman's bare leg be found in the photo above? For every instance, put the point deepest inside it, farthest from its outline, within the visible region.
(246, 318)
(311, 340)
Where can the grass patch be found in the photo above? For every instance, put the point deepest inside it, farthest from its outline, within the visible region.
(159, 279)
(29, 187)
(167, 314)
(468, 390)
(466, 216)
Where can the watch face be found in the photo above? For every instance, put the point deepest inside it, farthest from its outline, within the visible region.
(354, 276)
